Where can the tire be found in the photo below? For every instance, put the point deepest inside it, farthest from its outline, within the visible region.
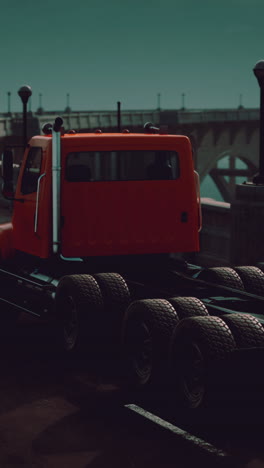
(198, 345)
(116, 297)
(260, 265)
(223, 276)
(246, 330)
(79, 307)
(252, 278)
(188, 307)
(147, 328)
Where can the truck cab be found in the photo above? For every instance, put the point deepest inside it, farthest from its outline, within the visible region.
(116, 194)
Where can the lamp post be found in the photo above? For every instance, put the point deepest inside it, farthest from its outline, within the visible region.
(9, 102)
(258, 179)
(183, 102)
(40, 108)
(67, 108)
(158, 101)
(240, 106)
(25, 92)
(119, 116)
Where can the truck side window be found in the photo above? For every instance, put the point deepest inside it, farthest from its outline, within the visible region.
(32, 171)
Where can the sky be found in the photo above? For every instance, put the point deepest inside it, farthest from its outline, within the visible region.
(130, 51)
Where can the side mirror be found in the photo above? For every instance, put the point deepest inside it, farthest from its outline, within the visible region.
(7, 174)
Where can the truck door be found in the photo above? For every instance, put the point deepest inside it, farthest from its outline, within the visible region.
(27, 236)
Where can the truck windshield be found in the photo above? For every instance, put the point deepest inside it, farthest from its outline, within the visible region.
(95, 166)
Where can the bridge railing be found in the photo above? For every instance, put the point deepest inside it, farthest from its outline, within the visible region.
(218, 115)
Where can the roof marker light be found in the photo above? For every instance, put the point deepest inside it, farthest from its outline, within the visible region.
(47, 129)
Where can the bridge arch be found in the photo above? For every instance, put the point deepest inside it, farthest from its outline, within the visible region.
(227, 169)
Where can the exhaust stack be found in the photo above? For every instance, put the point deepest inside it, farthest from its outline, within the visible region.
(56, 176)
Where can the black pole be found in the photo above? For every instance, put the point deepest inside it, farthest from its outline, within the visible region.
(158, 99)
(183, 101)
(119, 116)
(24, 124)
(9, 102)
(25, 92)
(259, 73)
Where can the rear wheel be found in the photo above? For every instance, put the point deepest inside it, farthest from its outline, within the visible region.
(147, 328)
(252, 278)
(188, 307)
(198, 345)
(248, 332)
(224, 276)
(116, 298)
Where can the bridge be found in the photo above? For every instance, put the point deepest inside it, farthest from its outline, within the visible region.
(230, 135)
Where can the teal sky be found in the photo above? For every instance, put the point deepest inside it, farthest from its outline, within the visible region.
(104, 51)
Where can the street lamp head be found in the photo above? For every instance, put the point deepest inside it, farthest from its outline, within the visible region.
(259, 72)
(25, 92)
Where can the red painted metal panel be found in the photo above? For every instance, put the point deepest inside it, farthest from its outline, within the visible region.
(131, 217)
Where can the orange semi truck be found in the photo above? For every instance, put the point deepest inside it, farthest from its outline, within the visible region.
(88, 204)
